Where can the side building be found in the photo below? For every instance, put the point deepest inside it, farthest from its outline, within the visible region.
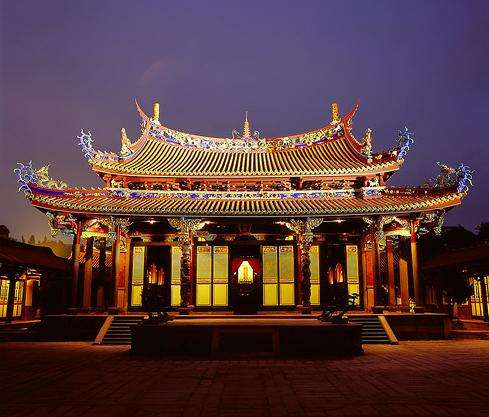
(289, 215)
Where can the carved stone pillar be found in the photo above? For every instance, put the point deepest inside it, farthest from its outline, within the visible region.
(186, 229)
(414, 261)
(305, 242)
(185, 271)
(303, 230)
(75, 255)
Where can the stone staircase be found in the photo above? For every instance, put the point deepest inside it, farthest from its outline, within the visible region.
(372, 330)
(119, 331)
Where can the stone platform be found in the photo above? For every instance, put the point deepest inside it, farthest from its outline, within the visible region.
(246, 337)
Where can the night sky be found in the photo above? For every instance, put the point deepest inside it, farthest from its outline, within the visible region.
(67, 65)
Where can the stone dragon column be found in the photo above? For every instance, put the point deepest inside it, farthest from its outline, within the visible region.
(186, 229)
(303, 229)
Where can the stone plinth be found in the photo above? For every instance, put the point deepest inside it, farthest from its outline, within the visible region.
(246, 337)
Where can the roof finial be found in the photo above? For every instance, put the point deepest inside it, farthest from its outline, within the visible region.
(156, 112)
(246, 127)
(335, 113)
(125, 143)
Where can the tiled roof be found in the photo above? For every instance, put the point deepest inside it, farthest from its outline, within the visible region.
(329, 151)
(327, 203)
(160, 159)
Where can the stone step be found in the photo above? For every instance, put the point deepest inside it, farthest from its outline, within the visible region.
(372, 330)
(119, 331)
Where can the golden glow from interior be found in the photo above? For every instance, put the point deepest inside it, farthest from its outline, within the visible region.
(245, 273)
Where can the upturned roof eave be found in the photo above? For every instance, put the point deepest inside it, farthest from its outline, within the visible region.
(440, 201)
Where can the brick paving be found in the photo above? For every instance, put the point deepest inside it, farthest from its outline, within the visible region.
(432, 378)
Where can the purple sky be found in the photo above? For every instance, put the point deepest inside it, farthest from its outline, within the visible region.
(67, 65)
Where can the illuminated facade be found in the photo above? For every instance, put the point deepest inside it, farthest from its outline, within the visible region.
(292, 215)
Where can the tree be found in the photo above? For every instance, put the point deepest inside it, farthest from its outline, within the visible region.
(454, 285)
(483, 232)
(154, 301)
(32, 240)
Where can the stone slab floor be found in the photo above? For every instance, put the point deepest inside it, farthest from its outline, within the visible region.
(431, 378)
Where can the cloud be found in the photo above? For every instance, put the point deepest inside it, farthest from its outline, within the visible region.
(155, 71)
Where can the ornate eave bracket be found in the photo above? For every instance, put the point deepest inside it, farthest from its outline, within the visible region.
(303, 229)
(436, 218)
(27, 176)
(185, 226)
(376, 227)
(64, 223)
(120, 224)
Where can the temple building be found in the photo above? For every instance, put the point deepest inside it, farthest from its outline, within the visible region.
(290, 216)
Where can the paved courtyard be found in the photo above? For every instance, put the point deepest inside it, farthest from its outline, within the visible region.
(446, 378)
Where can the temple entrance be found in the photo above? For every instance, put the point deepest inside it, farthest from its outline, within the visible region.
(339, 267)
(246, 285)
(150, 265)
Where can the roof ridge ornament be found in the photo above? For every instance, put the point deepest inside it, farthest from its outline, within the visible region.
(405, 139)
(27, 175)
(89, 152)
(367, 144)
(335, 113)
(460, 177)
(156, 113)
(246, 126)
(246, 133)
(125, 144)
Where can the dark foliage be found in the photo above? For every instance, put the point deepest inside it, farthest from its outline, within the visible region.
(336, 303)
(154, 300)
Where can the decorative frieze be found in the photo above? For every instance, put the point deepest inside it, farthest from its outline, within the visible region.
(248, 143)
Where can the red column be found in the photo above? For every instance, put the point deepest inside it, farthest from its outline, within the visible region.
(414, 261)
(368, 266)
(75, 254)
(116, 250)
(390, 272)
(87, 280)
(403, 274)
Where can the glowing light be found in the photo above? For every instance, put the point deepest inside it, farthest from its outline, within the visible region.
(245, 272)
(156, 112)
